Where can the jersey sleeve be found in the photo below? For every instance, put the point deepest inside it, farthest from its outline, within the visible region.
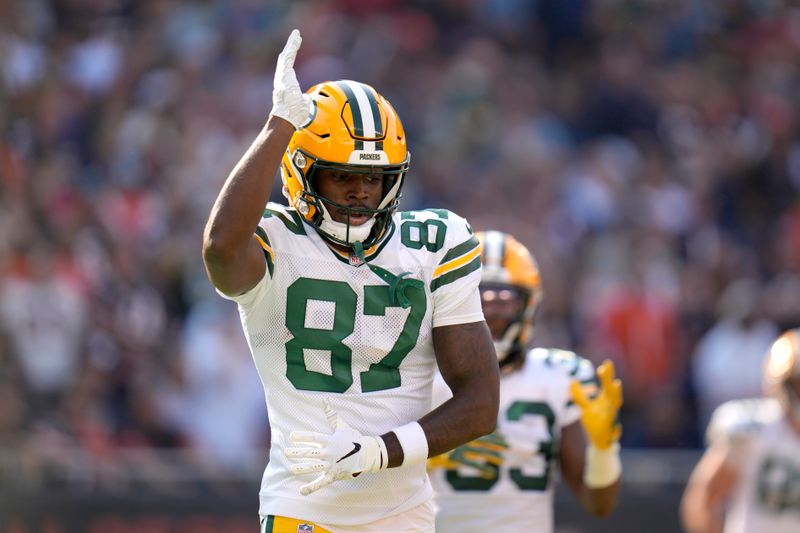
(734, 423)
(255, 294)
(456, 276)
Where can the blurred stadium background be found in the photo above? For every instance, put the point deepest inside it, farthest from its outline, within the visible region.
(647, 151)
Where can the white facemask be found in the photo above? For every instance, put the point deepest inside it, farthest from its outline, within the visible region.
(503, 346)
(340, 229)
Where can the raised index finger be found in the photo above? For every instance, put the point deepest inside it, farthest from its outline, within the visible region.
(605, 374)
(287, 56)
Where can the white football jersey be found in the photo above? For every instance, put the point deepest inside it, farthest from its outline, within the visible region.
(359, 337)
(517, 495)
(767, 452)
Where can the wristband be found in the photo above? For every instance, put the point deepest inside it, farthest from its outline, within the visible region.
(602, 467)
(414, 443)
(384, 462)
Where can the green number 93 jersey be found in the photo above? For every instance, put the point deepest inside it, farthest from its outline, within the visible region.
(324, 326)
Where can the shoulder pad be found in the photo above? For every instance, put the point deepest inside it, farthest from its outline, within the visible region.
(290, 218)
(566, 362)
(453, 249)
(739, 419)
(425, 214)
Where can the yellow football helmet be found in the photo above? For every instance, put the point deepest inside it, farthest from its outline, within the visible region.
(511, 290)
(353, 129)
(782, 372)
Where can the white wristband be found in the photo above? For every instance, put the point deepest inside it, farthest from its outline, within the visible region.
(384, 459)
(414, 443)
(602, 467)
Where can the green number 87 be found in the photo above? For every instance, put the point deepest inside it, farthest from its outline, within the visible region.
(385, 374)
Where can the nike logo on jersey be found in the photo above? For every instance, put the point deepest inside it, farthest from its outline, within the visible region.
(356, 447)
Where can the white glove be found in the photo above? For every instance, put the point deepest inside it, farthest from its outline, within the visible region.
(342, 455)
(288, 101)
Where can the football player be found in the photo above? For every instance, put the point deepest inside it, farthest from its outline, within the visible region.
(348, 306)
(550, 405)
(748, 480)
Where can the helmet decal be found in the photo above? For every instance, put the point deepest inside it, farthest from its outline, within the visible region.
(367, 120)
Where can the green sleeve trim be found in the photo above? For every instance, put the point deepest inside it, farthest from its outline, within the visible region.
(456, 274)
(295, 225)
(460, 249)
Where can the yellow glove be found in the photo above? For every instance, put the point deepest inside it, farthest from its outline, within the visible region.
(599, 414)
(478, 454)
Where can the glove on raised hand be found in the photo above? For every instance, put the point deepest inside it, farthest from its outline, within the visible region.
(288, 101)
(599, 414)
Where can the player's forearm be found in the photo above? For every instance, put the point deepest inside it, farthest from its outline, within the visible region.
(699, 513)
(447, 427)
(466, 359)
(463, 418)
(455, 422)
(469, 414)
(703, 521)
(241, 201)
(600, 502)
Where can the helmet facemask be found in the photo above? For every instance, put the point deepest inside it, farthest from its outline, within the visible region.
(509, 317)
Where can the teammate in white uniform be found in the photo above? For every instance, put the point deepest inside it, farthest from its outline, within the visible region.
(748, 480)
(504, 481)
(348, 307)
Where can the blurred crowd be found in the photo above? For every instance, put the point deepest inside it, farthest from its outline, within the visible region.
(648, 152)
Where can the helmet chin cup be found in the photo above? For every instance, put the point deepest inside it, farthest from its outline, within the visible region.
(344, 232)
(501, 348)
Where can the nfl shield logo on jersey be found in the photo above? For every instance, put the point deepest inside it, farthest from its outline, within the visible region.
(305, 528)
(355, 260)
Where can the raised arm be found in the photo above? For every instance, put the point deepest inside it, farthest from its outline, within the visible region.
(710, 486)
(591, 467)
(598, 501)
(233, 258)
